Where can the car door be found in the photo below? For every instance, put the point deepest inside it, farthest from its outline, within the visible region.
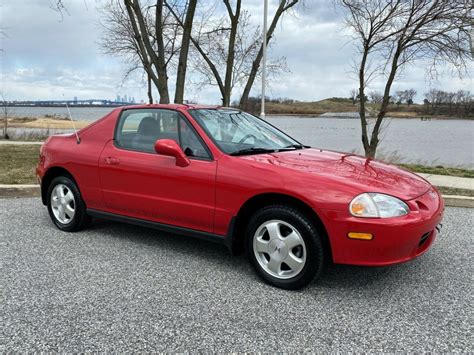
(138, 182)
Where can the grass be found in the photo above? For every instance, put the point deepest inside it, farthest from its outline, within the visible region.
(454, 191)
(44, 122)
(311, 108)
(30, 135)
(316, 108)
(439, 170)
(18, 164)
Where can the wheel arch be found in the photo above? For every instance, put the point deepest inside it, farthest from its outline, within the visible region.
(48, 177)
(239, 222)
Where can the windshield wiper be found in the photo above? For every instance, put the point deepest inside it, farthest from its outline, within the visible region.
(293, 146)
(253, 150)
(296, 146)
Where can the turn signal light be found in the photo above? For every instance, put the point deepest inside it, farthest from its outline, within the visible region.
(360, 236)
(357, 208)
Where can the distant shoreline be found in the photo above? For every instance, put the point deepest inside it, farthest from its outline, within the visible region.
(75, 105)
(340, 108)
(389, 115)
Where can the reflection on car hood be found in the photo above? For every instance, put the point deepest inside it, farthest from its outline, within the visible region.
(366, 174)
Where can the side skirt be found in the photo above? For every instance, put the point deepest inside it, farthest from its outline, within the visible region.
(216, 238)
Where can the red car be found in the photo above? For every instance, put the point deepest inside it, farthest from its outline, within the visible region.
(228, 176)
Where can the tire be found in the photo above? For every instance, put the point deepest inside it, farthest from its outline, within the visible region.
(284, 247)
(65, 205)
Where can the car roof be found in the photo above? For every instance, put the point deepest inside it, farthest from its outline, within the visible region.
(184, 107)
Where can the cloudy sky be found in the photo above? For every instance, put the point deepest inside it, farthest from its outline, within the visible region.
(48, 56)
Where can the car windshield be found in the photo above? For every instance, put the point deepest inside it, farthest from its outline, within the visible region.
(239, 133)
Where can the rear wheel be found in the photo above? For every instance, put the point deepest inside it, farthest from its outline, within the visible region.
(284, 247)
(65, 205)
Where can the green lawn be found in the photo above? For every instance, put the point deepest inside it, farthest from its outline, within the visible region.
(18, 164)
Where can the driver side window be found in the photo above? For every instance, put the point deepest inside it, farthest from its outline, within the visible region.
(190, 142)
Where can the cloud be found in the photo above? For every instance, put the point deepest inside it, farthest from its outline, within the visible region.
(47, 56)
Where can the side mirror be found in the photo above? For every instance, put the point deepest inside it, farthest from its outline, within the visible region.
(170, 148)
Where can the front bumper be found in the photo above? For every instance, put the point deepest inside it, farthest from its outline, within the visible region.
(396, 240)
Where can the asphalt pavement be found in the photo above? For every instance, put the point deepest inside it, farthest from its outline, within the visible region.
(118, 288)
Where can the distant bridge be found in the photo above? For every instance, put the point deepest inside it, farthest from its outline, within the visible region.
(88, 102)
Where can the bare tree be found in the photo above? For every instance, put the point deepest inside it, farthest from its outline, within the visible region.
(118, 39)
(59, 7)
(3, 34)
(439, 102)
(399, 32)
(183, 55)
(405, 96)
(409, 96)
(376, 97)
(5, 113)
(353, 96)
(157, 34)
(153, 56)
(400, 96)
(231, 49)
(234, 15)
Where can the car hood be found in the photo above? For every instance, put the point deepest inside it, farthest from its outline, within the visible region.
(367, 175)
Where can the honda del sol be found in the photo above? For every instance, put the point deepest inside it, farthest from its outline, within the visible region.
(227, 176)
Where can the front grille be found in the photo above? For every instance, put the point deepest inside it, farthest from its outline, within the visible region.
(423, 238)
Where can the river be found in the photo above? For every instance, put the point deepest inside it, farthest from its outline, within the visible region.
(435, 142)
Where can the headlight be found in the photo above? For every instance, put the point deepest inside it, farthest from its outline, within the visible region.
(377, 205)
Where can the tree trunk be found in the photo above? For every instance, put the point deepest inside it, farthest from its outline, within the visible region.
(142, 36)
(150, 94)
(363, 119)
(204, 55)
(234, 20)
(141, 43)
(374, 139)
(161, 61)
(183, 55)
(5, 127)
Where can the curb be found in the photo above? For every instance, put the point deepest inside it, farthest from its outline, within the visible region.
(12, 191)
(9, 142)
(458, 201)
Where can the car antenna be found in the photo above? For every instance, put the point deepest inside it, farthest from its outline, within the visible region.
(73, 125)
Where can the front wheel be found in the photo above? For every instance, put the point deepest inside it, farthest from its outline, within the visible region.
(65, 205)
(284, 247)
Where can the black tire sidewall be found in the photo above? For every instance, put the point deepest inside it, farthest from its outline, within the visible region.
(80, 216)
(314, 248)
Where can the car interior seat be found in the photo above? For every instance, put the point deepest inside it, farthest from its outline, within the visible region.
(147, 134)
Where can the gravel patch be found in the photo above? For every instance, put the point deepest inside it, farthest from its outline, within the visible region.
(115, 287)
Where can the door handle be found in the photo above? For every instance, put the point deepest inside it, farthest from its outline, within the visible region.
(112, 161)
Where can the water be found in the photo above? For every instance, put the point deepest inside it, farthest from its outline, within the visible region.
(78, 113)
(435, 142)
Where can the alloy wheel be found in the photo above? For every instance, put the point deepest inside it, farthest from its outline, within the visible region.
(63, 204)
(279, 249)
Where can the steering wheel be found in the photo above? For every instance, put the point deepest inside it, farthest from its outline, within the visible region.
(250, 135)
